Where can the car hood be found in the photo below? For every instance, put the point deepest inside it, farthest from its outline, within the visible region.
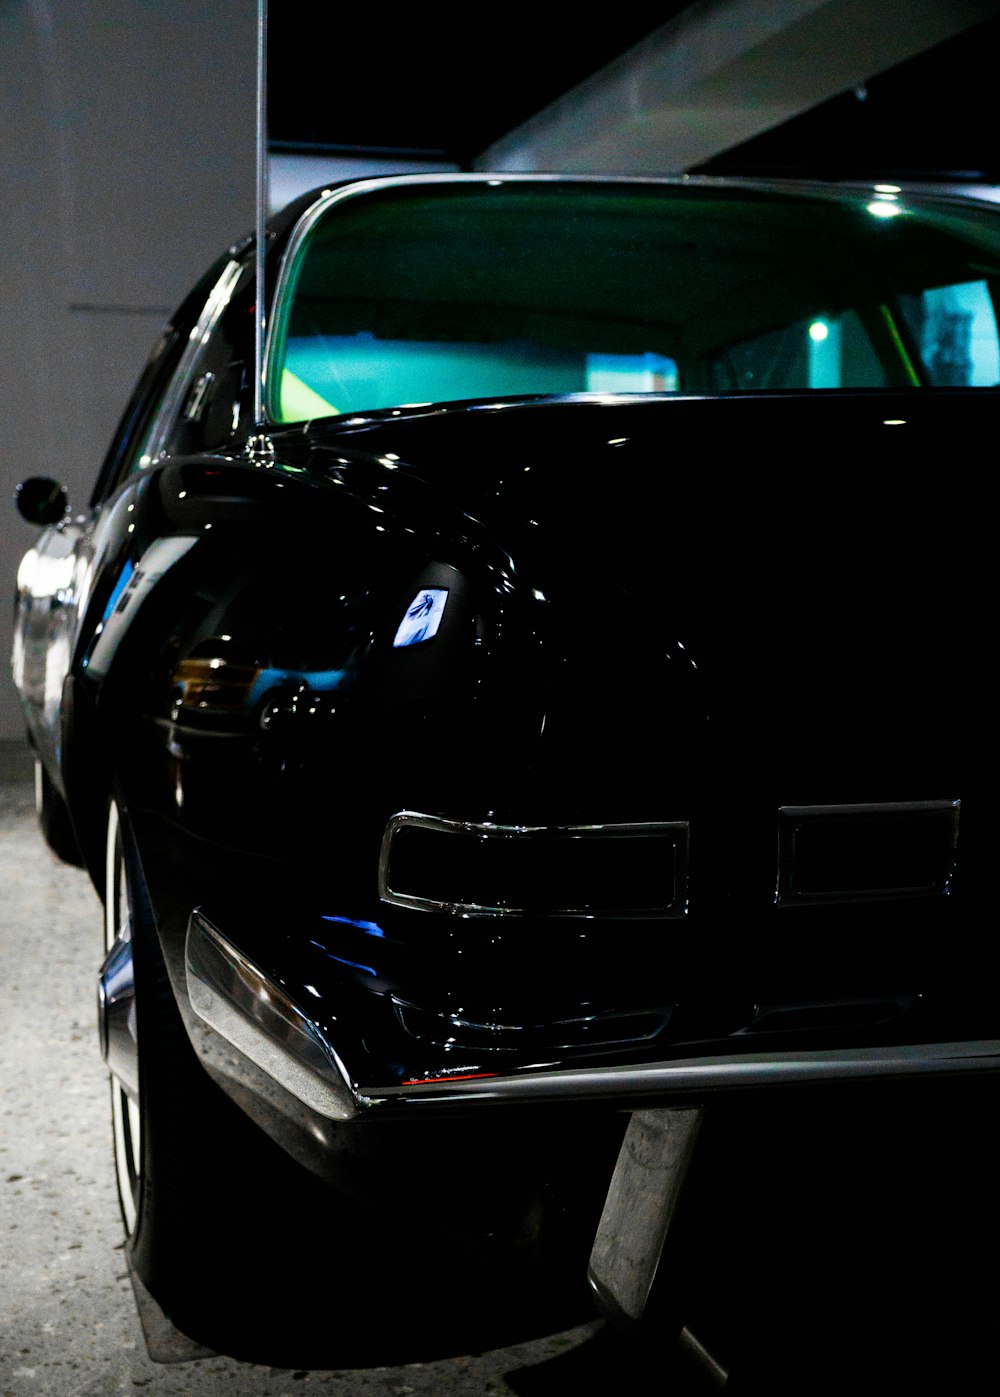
(807, 559)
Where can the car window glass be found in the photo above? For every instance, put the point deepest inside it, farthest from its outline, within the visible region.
(148, 409)
(142, 408)
(201, 405)
(403, 297)
(828, 351)
(955, 329)
(142, 450)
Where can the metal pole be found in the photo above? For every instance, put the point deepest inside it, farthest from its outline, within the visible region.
(261, 233)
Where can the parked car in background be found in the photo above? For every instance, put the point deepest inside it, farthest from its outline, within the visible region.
(564, 703)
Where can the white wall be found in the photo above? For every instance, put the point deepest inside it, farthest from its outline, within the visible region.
(127, 165)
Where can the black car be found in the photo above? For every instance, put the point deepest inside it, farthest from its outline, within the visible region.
(562, 705)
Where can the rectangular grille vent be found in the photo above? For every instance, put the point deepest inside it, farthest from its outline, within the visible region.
(439, 865)
(830, 853)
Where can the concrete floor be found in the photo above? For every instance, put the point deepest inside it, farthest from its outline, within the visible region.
(68, 1324)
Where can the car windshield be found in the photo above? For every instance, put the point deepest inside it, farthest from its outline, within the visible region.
(426, 293)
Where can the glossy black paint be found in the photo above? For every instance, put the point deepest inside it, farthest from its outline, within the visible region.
(667, 609)
(595, 716)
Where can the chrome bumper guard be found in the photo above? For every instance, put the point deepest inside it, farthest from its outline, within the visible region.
(242, 1004)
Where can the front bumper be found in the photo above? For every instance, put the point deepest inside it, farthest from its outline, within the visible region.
(231, 995)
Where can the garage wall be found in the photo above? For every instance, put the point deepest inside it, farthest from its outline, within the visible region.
(127, 165)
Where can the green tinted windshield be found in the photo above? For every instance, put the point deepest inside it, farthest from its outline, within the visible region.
(433, 293)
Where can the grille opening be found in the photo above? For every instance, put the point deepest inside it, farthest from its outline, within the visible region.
(628, 870)
(871, 851)
(846, 1013)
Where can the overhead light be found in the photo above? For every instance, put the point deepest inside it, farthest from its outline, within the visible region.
(883, 208)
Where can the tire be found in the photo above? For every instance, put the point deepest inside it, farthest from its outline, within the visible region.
(193, 1174)
(174, 1134)
(53, 819)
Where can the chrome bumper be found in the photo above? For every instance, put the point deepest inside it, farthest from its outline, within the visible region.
(256, 1016)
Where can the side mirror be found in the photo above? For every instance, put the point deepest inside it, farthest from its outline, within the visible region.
(41, 501)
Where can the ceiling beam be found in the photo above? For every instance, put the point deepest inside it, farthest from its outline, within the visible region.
(719, 73)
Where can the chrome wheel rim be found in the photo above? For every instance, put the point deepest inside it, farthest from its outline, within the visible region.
(126, 1112)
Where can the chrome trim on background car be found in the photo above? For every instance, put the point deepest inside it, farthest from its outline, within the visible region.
(673, 906)
(236, 998)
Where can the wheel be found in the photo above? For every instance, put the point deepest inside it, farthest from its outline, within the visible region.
(53, 819)
(118, 993)
(192, 1172)
(161, 1102)
(157, 1092)
(243, 1249)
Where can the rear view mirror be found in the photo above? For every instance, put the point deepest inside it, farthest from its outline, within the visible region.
(41, 501)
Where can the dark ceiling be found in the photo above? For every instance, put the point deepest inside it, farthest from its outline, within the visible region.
(409, 81)
(400, 82)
